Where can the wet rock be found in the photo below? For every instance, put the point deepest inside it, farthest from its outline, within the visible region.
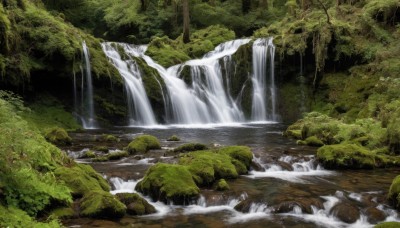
(244, 206)
(307, 204)
(257, 167)
(138, 157)
(374, 215)
(346, 212)
(135, 204)
(221, 185)
(288, 206)
(285, 166)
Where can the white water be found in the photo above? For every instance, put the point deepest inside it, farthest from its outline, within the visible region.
(139, 109)
(301, 168)
(84, 106)
(264, 89)
(207, 100)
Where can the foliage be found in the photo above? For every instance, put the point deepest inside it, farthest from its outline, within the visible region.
(14, 217)
(58, 136)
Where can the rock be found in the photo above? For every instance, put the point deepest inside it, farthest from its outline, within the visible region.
(221, 185)
(135, 204)
(101, 148)
(394, 192)
(167, 182)
(88, 154)
(101, 204)
(285, 165)
(288, 206)
(81, 179)
(314, 141)
(143, 143)
(190, 147)
(244, 206)
(174, 138)
(374, 215)
(257, 167)
(346, 155)
(345, 212)
(107, 138)
(58, 136)
(308, 202)
(296, 134)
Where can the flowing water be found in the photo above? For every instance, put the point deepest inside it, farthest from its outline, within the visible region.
(207, 99)
(286, 187)
(84, 106)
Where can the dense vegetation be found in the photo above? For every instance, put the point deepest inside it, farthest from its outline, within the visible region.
(350, 51)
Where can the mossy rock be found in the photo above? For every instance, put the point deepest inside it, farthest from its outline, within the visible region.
(388, 225)
(143, 143)
(63, 213)
(111, 156)
(174, 138)
(107, 138)
(81, 179)
(58, 136)
(347, 156)
(101, 148)
(190, 147)
(101, 204)
(88, 154)
(394, 192)
(207, 166)
(314, 141)
(135, 204)
(221, 185)
(296, 134)
(167, 182)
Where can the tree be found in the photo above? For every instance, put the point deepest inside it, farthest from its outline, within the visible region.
(186, 21)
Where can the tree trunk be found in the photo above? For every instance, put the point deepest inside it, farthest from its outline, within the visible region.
(186, 21)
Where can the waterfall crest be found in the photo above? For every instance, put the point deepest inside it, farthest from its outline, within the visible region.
(205, 98)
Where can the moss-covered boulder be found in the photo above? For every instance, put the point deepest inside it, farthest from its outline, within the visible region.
(393, 130)
(208, 166)
(81, 179)
(348, 156)
(173, 138)
(116, 155)
(166, 182)
(143, 143)
(135, 204)
(394, 192)
(58, 136)
(101, 204)
(88, 154)
(190, 147)
(107, 138)
(311, 141)
(221, 185)
(388, 225)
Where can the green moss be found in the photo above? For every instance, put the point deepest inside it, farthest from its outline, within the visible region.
(394, 192)
(63, 213)
(135, 204)
(190, 147)
(88, 154)
(81, 179)
(168, 182)
(313, 141)
(166, 51)
(296, 134)
(101, 148)
(112, 156)
(174, 138)
(240, 153)
(222, 185)
(387, 225)
(350, 156)
(393, 131)
(107, 138)
(101, 204)
(143, 143)
(58, 136)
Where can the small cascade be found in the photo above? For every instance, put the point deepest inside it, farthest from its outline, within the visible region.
(264, 89)
(139, 109)
(84, 107)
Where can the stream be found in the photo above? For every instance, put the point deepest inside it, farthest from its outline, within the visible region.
(286, 188)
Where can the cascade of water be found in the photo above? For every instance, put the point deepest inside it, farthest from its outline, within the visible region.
(85, 110)
(139, 108)
(264, 109)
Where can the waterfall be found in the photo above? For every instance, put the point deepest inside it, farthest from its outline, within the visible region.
(264, 89)
(84, 111)
(207, 98)
(139, 108)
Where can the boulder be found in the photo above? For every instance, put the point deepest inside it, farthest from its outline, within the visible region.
(345, 212)
(101, 204)
(135, 204)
